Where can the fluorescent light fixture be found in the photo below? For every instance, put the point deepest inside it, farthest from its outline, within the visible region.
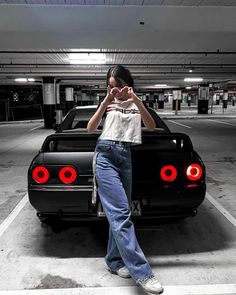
(84, 50)
(31, 79)
(193, 79)
(87, 58)
(20, 80)
(188, 87)
(160, 85)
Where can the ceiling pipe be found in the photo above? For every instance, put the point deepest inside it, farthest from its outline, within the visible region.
(118, 52)
(5, 65)
(102, 75)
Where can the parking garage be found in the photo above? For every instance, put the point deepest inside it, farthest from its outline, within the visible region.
(54, 56)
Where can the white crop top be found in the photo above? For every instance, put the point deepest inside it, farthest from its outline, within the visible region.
(122, 123)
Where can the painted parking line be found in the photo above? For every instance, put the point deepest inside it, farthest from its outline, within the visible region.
(11, 217)
(221, 122)
(37, 127)
(218, 289)
(222, 210)
(179, 124)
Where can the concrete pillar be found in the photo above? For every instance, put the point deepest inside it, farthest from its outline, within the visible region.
(69, 98)
(58, 94)
(225, 99)
(189, 97)
(161, 99)
(176, 100)
(97, 99)
(58, 111)
(151, 100)
(49, 102)
(233, 100)
(203, 99)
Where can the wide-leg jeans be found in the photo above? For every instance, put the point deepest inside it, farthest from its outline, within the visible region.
(113, 174)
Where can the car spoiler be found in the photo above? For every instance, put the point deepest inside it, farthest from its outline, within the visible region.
(182, 140)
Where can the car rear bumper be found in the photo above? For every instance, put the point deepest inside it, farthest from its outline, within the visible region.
(68, 217)
(74, 202)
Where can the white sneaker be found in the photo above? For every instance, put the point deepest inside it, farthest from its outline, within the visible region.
(151, 285)
(122, 272)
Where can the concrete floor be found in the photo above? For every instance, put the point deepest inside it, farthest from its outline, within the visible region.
(195, 256)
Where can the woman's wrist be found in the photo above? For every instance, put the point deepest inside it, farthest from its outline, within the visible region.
(138, 101)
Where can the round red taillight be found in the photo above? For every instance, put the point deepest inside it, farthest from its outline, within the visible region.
(194, 172)
(67, 174)
(168, 173)
(40, 174)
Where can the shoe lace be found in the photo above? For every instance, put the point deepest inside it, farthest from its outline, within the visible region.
(151, 279)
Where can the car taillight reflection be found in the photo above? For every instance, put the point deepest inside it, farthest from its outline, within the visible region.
(194, 172)
(168, 173)
(67, 175)
(40, 174)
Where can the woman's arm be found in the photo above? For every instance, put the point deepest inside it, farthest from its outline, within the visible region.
(147, 119)
(97, 117)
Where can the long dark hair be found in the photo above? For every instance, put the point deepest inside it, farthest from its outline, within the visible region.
(120, 73)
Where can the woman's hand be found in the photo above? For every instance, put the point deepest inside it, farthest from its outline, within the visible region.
(109, 97)
(132, 97)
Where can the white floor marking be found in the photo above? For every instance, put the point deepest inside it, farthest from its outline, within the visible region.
(179, 124)
(218, 289)
(222, 122)
(10, 218)
(36, 127)
(222, 210)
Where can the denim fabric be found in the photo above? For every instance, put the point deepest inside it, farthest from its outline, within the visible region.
(114, 180)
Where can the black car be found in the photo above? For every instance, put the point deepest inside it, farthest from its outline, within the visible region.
(168, 174)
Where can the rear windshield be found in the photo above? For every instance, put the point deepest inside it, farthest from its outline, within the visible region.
(79, 118)
(72, 145)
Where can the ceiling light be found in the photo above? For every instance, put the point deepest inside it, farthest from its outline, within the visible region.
(190, 71)
(160, 85)
(20, 80)
(31, 79)
(84, 50)
(193, 79)
(87, 58)
(188, 87)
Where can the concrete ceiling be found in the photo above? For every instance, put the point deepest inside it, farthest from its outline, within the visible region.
(158, 40)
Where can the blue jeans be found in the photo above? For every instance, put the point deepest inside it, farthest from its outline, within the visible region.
(113, 174)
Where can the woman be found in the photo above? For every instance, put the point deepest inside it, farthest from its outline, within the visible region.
(123, 112)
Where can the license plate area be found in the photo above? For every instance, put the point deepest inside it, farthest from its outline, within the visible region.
(136, 209)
